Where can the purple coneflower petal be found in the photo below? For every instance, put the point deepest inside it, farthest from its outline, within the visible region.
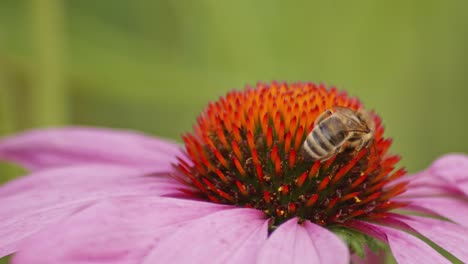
(448, 207)
(452, 167)
(30, 203)
(441, 189)
(452, 170)
(140, 229)
(405, 248)
(43, 149)
(408, 249)
(416, 190)
(306, 243)
(425, 184)
(447, 235)
(230, 236)
(447, 175)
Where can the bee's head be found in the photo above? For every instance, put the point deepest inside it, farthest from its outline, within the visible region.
(366, 120)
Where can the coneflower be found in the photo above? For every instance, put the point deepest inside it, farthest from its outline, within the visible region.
(242, 190)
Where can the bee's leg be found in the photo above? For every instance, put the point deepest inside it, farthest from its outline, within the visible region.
(344, 147)
(365, 143)
(360, 146)
(353, 143)
(322, 116)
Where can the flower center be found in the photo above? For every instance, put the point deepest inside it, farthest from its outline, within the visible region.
(247, 149)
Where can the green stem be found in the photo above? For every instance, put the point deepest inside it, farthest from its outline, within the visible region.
(48, 94)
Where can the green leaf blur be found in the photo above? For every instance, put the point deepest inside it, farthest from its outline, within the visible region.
(153, 65)
(4, 260)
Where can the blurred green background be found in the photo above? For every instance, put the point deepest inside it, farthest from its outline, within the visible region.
(153, 65)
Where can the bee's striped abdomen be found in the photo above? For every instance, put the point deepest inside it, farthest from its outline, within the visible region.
(333, 129)
(325, 139)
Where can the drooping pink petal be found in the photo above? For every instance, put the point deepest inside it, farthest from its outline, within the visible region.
(42, 149)
(231, 236)
(30, 203)
(119, 230)
(452, 208)
(405, 248)
(409, 249)
(425, 184)
(451, 170)
(306, 243)
(452, 167)
(449, 236)
(430, 190)
(446, 176)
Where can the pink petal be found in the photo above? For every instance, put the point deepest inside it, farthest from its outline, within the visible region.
(452, 167)
(448, 207)
(449, 236)
(120, 230)
(425, 183)
(452, 170)
(446, 176)
(409, 249)
(416, 190)
(306, 243)
(405, 248)
(42, 149)
(230, 236)
(31, 203)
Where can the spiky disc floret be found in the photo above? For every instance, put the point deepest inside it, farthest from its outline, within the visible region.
(246, 151)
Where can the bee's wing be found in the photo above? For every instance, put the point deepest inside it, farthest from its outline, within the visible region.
(344, 110)
(352, 121)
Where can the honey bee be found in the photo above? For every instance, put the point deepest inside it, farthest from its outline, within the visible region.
(338, 129)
